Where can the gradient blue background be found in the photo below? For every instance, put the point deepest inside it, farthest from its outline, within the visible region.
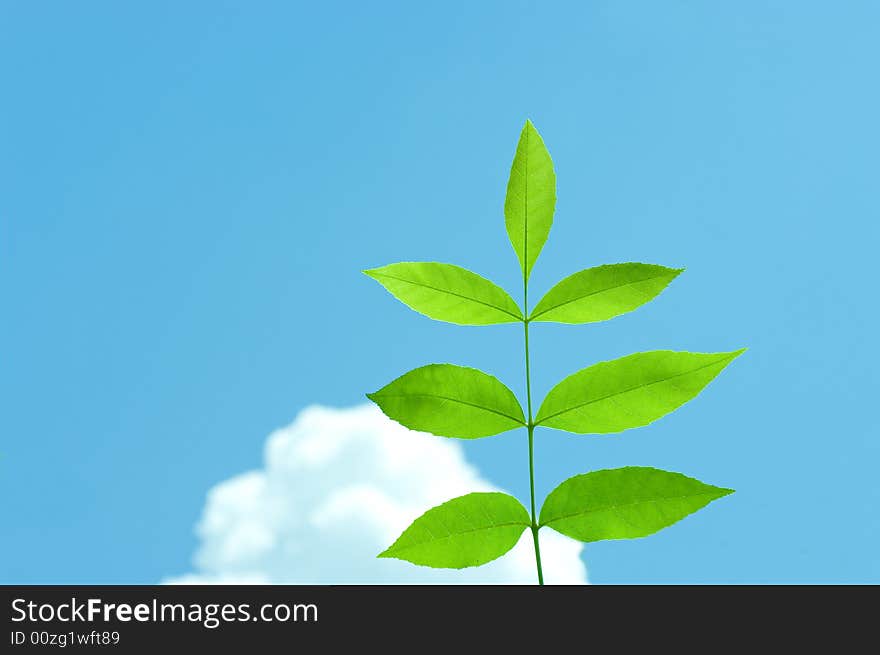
(188, 192)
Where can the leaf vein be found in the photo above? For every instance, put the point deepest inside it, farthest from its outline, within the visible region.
(606, 289)
(453, 400)
(506, 524)
(618, 506)
(451, 293)
(620, 393)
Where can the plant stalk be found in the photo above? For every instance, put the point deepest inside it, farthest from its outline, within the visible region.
(531, 429)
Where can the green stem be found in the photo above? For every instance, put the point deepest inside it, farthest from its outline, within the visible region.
(532, 490)
(531, 429)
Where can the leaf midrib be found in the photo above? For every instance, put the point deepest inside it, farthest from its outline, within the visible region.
(453, 400)
(588, 295)
(451, 293)
(620, 393)
(622, 505)
(446, 537)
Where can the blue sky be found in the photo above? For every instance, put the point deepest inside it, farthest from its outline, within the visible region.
(188, 192)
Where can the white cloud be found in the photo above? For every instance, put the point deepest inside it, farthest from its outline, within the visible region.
(338, 486)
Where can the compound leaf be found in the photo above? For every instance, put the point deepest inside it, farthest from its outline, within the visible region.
(629, 392)
(603, 292)
(450, 401)
(465, 531)
(531, 197)
(448, 293)
(624, 503)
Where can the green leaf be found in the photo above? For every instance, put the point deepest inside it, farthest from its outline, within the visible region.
(629, 392)
(531, 197)
(466, 531)
(624, 503)
(450, 401)
(603, 292)
(447, 293)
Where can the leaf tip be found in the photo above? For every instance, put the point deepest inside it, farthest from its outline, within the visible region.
(529, 126)
(673, 273)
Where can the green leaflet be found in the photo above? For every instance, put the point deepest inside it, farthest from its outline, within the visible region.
(450, 401)
(531, 197)
(603, 292)
(629, 392)
(447, 293)
(465, 531)
(624, 503)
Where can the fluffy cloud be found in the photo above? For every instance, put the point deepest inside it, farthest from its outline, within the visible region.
(337, 487)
